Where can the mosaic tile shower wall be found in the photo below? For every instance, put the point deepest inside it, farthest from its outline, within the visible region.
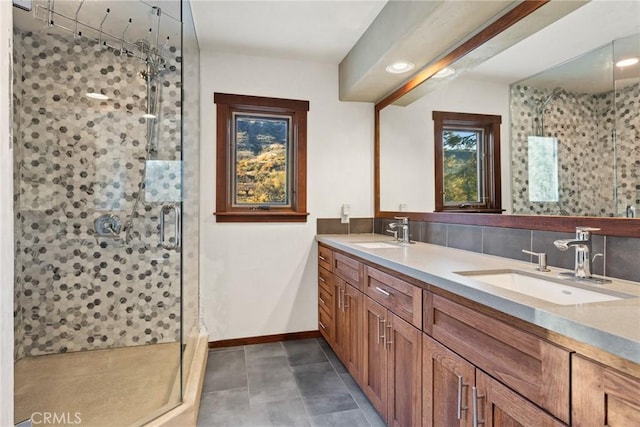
(592, 163)
(77, 159)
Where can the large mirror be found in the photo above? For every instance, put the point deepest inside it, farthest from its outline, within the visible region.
(570, 127)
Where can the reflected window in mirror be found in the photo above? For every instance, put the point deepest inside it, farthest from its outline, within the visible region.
(467, 162)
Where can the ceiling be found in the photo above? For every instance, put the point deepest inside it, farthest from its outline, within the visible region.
(320, 30)
(552, 51)
(362, 36)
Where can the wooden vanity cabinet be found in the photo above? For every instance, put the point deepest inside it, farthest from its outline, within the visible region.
(348, 329)
(536, 369)
(451, 384)
(340, 306)
(392, 374)
(602, 396)
(372, 320)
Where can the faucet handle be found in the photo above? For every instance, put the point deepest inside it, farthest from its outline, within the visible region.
(584, 233)
(542, 259)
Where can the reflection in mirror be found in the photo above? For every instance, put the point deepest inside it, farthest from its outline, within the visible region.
(407, 145)
(584, 138)
(574, 135)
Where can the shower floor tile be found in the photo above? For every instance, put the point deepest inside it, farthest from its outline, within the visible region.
(291, 383)
(113, 387)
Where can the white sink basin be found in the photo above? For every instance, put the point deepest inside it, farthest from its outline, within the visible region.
(554, 291)
(377, 245)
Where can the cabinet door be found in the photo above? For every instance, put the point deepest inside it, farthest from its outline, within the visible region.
(340, 333)
(498, 406)
(404, 406)
(602, 396)
(447, 381)
(353, 346)
(374, 378)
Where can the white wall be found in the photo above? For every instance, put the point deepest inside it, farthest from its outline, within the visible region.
(407, 141)
(6, 222)
(260, 279)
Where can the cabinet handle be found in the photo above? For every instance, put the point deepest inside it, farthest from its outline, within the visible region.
(475, 399)
(339, 298)
(384, 333)
(321, 279)
(382, 291)
(321, 324)
(344, 304)
(322, 301)
(460, 407)
(387, 340)
(322, 258)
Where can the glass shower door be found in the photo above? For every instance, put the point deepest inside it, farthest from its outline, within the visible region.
(98, 192)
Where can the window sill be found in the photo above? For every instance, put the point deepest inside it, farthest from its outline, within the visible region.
(262, 216)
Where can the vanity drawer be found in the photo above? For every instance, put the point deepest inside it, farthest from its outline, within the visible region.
(536, 369)
(325, 279)
(325, 257)
(325, 325)
(325, 291)
(400, 297)
(348, 269)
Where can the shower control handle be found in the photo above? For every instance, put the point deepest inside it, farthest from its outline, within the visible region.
(177, 227)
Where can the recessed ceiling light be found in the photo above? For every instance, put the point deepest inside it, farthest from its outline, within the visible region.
(400, 67)
(148, 116)
(627, 62)
(96, 95)
(445, 72)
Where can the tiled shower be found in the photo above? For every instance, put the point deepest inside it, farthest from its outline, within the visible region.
(598, 144)
(78, 159)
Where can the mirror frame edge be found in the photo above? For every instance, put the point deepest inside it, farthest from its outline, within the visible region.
(625, 227)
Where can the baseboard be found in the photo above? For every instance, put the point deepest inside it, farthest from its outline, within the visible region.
(265, 339)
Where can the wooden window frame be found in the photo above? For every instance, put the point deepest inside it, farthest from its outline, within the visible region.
(490, 124)
(226, 105)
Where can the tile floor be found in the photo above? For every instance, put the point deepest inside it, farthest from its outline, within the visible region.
(291, 383)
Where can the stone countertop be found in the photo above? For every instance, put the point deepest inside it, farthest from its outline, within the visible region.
(613, 326)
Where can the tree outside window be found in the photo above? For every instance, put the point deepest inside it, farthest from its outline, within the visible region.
(261, 159)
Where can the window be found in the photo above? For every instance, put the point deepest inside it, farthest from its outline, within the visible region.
(261, 159)
(467, 157)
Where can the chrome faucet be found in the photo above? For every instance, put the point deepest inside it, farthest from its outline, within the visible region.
(401, 226)
(582, 243)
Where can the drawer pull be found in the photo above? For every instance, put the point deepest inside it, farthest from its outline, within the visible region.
(461, 408)
(322, 279)
(322, 258)
(383, 292)
(476, 397)
(321, 324)
(322, 301)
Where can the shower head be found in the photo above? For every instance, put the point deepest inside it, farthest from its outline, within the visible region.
(555, 92)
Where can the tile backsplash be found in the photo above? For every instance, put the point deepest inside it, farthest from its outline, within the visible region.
(621, 255)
